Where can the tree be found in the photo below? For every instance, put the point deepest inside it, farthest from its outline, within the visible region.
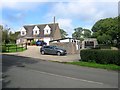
(104, 39)
(63, 33)
(13, 36)
(109, 27)
(77, 33)
(87, 33)
(5, 35)
(80, 33)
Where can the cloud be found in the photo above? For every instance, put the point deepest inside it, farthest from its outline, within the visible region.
(85, 13)
(65, 24)
(20, 4)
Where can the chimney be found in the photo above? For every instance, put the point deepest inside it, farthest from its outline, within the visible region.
(54, 19)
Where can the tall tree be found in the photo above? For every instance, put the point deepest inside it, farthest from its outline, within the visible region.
(108, 26)
(87, 33)
(80, 33)
(63, 33)
(13, 36)
(5, 35)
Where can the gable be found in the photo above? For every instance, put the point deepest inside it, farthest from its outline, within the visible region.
(47, 30)
(23, 31)
(36, 30)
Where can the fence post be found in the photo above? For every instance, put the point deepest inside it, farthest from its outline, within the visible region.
(26, 46)
(16, 48)
(22, 46)
(8, 48)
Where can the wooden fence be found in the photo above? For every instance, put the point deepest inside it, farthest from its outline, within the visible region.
(13, 47)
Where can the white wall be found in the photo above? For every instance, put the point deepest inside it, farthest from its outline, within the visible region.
(65, 40)
(46, 39)
(36, 29)
(23, 30)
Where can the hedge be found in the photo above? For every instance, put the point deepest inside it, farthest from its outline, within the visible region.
(101, 56)
(3, 48)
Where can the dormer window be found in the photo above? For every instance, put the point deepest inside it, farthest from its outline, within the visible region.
(23, 31)
(47, 30)
(36, 30)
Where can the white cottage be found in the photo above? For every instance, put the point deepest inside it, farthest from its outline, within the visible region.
(45, 32)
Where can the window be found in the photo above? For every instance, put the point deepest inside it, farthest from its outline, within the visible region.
(47, 30)
(23, 32)
(35, 32)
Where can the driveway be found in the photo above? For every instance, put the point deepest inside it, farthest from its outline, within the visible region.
(34, 52)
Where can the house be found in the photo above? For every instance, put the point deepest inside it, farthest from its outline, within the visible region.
(72, 45)
(45, 32)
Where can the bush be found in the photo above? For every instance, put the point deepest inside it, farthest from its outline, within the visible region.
(102, 46)
(33, 43)
(4, 48)
(101, 56)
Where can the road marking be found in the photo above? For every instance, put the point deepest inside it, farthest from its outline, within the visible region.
(66, 77)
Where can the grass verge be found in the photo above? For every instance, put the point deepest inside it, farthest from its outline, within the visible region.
(95, 65)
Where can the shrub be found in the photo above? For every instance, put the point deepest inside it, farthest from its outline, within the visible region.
(4, 48)
(101, 56)
(103, 46)
(33, 43)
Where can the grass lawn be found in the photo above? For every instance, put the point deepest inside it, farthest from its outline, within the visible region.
(95, 65)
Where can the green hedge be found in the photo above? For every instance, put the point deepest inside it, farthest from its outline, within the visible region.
(101, 56)
(3, 48)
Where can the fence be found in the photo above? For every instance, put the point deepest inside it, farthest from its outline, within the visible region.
(13, 47)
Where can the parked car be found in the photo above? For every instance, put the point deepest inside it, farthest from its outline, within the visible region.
(40, 43)
(52, 50)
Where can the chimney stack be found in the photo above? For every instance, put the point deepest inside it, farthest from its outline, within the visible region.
(54, 19)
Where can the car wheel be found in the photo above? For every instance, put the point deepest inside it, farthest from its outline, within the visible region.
(58, 53)
(42, 52)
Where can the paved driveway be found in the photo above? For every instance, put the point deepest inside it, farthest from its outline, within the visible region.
(34, 52)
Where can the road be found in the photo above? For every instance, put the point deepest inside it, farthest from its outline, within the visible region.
(24, 72)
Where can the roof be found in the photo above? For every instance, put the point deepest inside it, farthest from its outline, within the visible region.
(29, 30)
(62, 39)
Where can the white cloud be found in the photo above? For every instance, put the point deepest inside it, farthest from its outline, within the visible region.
(87, 13)
(20, 4)
(66, 24)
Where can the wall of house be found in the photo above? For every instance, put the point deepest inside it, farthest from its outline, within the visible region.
(57, 34)
(47, 39)
(69, 46)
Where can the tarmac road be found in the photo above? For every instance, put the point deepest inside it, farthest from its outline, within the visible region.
(23, 72)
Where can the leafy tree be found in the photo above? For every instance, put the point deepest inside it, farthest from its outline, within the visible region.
(77, 33)
(13, 36)
(5, 35)
(108, 27)
(87, 33)
(80, 33)
(104, 39)
(63, 33)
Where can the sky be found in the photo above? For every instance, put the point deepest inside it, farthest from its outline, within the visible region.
(70, 14)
